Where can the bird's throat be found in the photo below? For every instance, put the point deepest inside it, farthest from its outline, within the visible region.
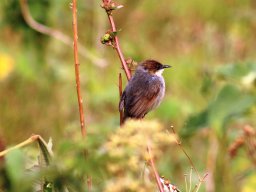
(159, 72)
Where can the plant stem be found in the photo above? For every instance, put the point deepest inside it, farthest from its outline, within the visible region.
(117, 45)
(28, 141)
(77, 72)
(152, 164)
(120, 86)
(188, 157)
(22, 144)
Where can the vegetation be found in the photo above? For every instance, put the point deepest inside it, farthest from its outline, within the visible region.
(210, 96)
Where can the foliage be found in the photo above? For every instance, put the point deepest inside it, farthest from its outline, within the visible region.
(120, 164)
(210, 92)
(232, 101)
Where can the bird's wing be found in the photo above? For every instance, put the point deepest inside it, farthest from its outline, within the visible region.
(142, 100)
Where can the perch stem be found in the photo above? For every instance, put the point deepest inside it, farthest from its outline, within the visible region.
(77, 71)
(116, 40)
(152, 164)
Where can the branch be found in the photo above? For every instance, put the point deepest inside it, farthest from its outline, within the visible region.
(30, 140)
(197, 187)
(57, 35)
(120, 86)
(109, 6)
(201, 179)
(189, 159)
(77, 72)
(22, 144)
(152, 164)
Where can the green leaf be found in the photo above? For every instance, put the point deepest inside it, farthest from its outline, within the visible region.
(195, 123)
(18, 177)
(230, 102)
(15, 164)
(45, 150)
(170, 108)
(235, 71)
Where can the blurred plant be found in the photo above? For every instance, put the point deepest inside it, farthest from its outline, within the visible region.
(248, 141)
(168, 187)
(128, 146)
(6, 65)
(110, 37)
(14, 20)
(234, 100)
(77, 69)
(84, 51)
(13, 166)
(121, 164)
(200, 179)
(225, 30)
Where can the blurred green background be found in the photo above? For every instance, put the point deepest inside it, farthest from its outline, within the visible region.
(210, 90)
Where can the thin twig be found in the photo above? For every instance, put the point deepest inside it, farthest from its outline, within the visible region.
(190, 179)
(120, 86)
(186, 183)
(151, 160)
(28, 141)
(89, 183)
(77, 72)
(22, 144)
(189, 159)
(57, 35)
(116, 40)
(197, 187)
(201, 180)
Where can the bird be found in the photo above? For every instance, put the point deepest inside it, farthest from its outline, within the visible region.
(145, 90)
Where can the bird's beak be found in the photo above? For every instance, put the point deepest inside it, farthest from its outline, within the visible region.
(166, 66)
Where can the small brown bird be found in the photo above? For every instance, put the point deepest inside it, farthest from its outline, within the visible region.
(144, 91)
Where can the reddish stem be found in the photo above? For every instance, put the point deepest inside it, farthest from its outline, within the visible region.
(120, 86)
(117, 45)
(77, 72)
(78, 86)
(152, 164)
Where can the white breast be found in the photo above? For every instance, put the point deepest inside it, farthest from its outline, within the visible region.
(162, 90)
(159, 72)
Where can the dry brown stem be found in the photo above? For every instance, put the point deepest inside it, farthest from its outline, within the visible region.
(77, 72)
(201, 179)
(183, 150)
(30, 140)
(247, 140)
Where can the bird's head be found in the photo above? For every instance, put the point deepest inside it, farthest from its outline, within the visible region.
(153, 67)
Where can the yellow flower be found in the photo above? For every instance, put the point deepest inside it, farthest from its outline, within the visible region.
(6, 65)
